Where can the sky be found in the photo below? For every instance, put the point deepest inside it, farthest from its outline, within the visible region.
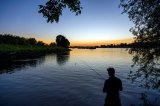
(100, 22)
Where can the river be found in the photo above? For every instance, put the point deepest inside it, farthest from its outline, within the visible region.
(75, 78)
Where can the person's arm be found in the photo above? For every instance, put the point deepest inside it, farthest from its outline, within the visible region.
(120, 85)
(105, 87)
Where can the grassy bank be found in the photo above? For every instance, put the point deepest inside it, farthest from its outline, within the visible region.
(29, 48)
(27, 51)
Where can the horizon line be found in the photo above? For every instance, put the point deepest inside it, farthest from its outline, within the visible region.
(104, 42)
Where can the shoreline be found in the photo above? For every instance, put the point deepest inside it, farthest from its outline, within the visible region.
(27, 51)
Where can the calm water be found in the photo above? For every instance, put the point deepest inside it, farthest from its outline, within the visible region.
(69, 79)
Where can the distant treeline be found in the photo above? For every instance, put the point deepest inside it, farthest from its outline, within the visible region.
(124, 45)
(133, 45)
(16, 40)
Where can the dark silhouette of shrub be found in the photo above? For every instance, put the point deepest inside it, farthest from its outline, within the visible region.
(61, 41)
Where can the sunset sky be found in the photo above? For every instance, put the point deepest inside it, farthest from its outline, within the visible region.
(101, 22)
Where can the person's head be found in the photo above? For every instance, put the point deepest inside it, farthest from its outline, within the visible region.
(111, 71)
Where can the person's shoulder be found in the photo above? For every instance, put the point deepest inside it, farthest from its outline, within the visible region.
(106, 80)
(117, 79)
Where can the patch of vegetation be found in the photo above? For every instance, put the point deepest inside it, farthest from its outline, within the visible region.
(28, 48)
(16, 47)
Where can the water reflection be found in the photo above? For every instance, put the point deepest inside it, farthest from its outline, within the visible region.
(9, 66)
(62, 57)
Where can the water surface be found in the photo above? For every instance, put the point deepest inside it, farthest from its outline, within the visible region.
(70, 79)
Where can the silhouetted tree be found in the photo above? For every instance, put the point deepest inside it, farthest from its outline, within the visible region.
(145, 15)
(61, 41)
(11, 39)
(32, 41)
(52, 44)
(52, 10)
(40, 43)
(17, 40)
(146, 52)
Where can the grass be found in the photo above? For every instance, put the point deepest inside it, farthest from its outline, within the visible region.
(29, 48)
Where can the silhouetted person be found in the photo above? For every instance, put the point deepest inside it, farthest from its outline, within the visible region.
(112, 86)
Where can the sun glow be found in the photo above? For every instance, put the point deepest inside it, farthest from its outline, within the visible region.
(101, 42)
(90, 42)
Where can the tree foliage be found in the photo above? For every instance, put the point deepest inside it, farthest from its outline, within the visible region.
(61, 41)
(32, 41)
(146, 17)
(52, 44)
(52, 10)
(16, 40)
(40, 43)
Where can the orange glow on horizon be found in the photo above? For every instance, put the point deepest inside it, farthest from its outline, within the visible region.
(47, 41)
(98, 43)
(90, 43)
